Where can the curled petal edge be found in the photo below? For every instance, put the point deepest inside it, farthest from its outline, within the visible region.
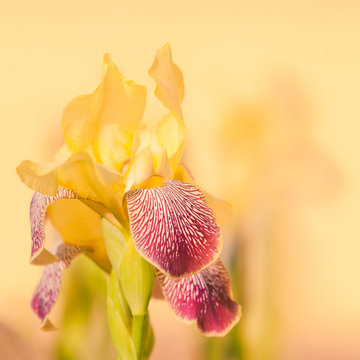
(204, 298)
(38, 217)
(48, 289)
(38, 206)
(78, 172)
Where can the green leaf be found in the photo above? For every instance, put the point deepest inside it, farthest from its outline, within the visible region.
(119, 320)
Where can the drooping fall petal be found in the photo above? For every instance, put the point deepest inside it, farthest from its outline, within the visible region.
(204, 298)
(48, 289)
(38, 206)
(77, 220)
(173, 228)
(103, 123)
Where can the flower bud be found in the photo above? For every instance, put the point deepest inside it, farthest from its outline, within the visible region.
(136, 277)
(119, 319)
(114, 242)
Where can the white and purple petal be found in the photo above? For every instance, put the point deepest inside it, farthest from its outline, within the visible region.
(38, 206)
(173, 228)
(48, 289)
(204, 298)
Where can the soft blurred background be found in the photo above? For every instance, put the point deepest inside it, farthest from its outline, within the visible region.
(272, 112)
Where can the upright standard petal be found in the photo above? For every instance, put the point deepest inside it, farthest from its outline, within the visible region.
(103, 123)
(169, 80)
(173, 228)
(170, 91)
(149, 158)
(48, 289)
(38, 206)
(204, 298)
(171, 136)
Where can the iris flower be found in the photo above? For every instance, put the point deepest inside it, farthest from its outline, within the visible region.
(115, 165)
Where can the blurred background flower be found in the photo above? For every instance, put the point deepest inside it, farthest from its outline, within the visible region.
(271, 108)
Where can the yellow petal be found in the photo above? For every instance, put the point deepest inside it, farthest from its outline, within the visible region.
(103, 123)
(80, 226)
(39, 177)
(169, 81)
(183, 174)
(161, 162)
(142, 168)
(89, 179)
(170, 91)
(80, 174)
(62, 154)
(79, 122)
(171, 136)
(221, 208)
(149, 157)
(165, 142)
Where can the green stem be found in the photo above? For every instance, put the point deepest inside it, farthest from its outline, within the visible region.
(138, 333)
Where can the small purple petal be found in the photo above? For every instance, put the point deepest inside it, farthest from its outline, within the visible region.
(173, 228)
(204, 297)
(38, 206)
(48, 289)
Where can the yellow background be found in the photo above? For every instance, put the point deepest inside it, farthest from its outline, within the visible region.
(272, 112)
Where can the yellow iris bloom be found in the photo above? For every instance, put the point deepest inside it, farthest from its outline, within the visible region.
(114, 164)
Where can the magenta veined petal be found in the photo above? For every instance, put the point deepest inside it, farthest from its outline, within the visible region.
(48, 289)
(173, 228)
(204, 298)
(38, 206)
